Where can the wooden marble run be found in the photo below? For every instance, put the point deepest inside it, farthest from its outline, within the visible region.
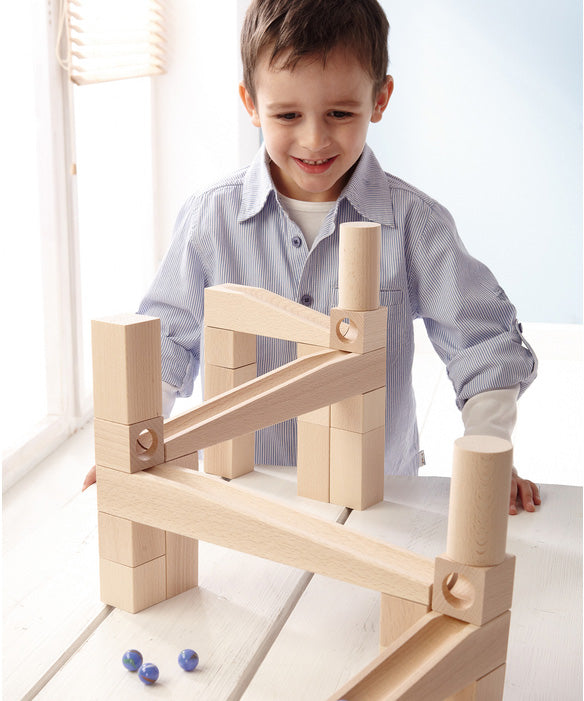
(444, 623)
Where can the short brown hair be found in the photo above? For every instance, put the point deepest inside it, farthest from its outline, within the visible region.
(306, 28)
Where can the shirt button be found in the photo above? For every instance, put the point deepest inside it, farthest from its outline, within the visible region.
(306, 300)
(296, 241)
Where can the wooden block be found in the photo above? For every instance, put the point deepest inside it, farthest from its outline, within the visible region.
(359, 265)
(358, 332)
(234, 457)
(488, 688)
(397, 615)
(360, 413)
(357, 467)
(434, 659)
(257, 311)
(129, 448)
(127, 385)
(229, 349)
(181, 564)
(320, 416)
(473, 594)
(295, 388)
(127, 542)
(192, 504)
(479, 500)
(132, 589)
(313, 460)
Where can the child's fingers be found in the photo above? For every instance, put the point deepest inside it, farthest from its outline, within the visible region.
(513, 497)
(90, 479)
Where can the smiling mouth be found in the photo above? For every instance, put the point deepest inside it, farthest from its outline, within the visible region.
(317, 166)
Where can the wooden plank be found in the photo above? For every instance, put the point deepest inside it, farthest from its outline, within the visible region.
(437, 657)
(194, 505)
(257, 311)
(297, 387)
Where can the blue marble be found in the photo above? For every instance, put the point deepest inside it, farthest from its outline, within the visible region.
(132, 660)
(148, 673)
(188, 659)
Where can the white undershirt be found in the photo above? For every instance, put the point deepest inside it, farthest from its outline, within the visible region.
(307, 215)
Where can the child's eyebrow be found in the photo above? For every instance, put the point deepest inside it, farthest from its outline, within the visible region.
(291, 107)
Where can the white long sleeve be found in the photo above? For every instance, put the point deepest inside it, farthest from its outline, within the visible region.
(492, 413)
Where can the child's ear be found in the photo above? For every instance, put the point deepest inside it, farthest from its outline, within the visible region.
(382, 99)
(249, 105)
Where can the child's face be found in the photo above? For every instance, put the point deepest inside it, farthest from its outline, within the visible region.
(314, 120)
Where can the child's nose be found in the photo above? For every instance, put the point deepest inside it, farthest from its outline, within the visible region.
(315, 136)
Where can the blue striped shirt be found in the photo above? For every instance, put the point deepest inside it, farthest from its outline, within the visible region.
(238, 232)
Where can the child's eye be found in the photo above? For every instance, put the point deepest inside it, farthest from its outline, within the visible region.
(339, 114)
(288, 116)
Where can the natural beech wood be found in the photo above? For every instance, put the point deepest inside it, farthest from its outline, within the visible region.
(473, 594)
(132, 588)
(127, 385)
(434, 659)
(487, 688)
(360, 413)
(229, 349)
(359, 265)
(258, 311)
(181, 564)
(479, 500)
(300, 386)
(313, 461)
(129, 448)
(397, 616)
(358, 332)
(128, 543)
(192, 504)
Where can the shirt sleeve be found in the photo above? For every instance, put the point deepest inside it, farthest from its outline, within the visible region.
(176, 296)
(491, 413)
(469, 319)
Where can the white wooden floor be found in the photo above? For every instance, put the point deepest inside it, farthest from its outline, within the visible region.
(60, 642)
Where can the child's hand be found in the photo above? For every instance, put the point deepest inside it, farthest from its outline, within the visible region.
(89, 479)
(523, 492)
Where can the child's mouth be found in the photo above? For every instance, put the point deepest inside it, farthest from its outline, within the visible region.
(315, 167)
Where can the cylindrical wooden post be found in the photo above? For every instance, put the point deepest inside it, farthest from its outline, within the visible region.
(479, 500)
(359, 266)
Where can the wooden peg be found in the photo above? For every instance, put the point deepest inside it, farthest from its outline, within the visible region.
(359, 265)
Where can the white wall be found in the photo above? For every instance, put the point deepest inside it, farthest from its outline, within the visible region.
(200, 130)
(486, 118)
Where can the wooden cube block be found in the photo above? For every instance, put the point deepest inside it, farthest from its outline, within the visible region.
(181, 564)
(472, 594)
(229, 349)
(358, 332)
(129, 448)
(132, 589)
(313, 461)
(127, 385)
(232, 458)
(218, 379)
(487, 688)
(357, 467)
(396, 616)
(361, 413)
(129, 543)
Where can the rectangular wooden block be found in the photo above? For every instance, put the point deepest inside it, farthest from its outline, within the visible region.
(358, 332)
(313, 461)
(229, 349)
(127, 542)
(181, 564)
(357, 467)
(473, 594)
(396, 616)
(360, 413)
(487, 688)
(320, 416)
(132, 589)
(219, 379)
(129, 448)
(127, 385)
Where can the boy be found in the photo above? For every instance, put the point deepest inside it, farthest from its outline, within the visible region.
(314, 78)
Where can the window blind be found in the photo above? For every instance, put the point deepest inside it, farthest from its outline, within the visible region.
(113, 39)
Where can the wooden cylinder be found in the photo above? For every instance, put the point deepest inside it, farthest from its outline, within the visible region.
(479, 500)
(359, 266)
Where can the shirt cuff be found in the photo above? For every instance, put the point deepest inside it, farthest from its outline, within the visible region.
(169, 394)
(492, 413)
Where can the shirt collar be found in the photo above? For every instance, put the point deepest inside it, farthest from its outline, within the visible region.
(367, 179)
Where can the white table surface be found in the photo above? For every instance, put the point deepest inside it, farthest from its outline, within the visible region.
(267, 632)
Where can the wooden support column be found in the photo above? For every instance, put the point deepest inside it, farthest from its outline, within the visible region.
(230, 360)
(137, 568)
(358, 324)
